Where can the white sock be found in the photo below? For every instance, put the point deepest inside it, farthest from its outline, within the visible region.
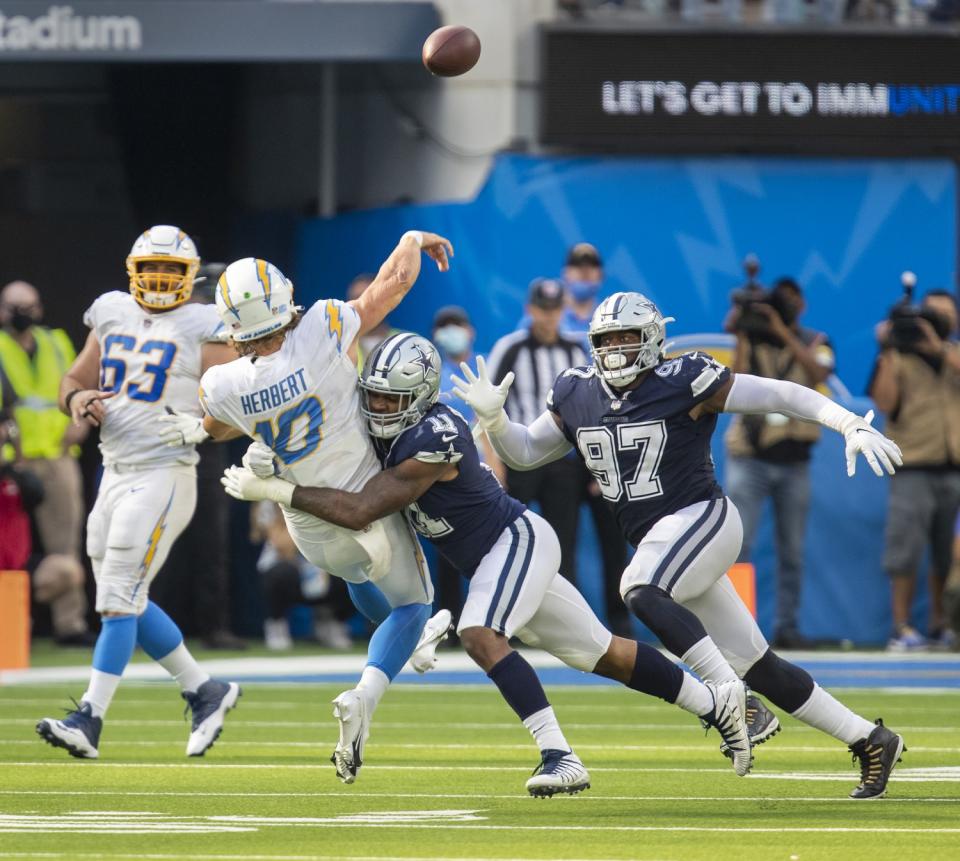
(546, 731)
(694, 696)
(184, 669)
(705, 660)
(823, 712)
(372, 686)
(100, 691)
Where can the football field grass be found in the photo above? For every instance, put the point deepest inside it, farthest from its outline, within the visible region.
(443, 779)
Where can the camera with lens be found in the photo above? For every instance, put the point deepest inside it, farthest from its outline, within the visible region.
(905, 329)
(752, 321)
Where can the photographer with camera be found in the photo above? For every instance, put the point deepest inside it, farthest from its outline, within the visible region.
(769, 455)
(916, 383)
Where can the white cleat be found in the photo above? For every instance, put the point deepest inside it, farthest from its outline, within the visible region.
(559, 771)
(209, 705)
(729, 717)
(424, 657)
(350, 709)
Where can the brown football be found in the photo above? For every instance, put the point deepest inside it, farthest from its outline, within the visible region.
(451, 50)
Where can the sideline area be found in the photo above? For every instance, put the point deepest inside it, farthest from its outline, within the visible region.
(928, 670)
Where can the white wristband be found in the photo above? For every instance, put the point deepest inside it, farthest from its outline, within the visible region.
(416, 236)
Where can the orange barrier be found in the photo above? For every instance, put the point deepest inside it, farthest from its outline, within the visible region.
(14, 620)
(744, 581)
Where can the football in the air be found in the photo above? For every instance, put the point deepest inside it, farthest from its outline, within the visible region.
(451, 51)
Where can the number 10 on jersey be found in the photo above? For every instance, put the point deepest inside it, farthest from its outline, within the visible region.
(607, 450)
(301, 423)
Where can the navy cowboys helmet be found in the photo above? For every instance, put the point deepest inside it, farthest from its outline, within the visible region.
(404, 365)
(621, 364)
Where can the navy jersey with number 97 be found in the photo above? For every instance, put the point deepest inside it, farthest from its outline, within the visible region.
(462, 517)
(646, 453)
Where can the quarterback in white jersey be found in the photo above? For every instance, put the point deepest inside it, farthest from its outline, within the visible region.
(295, 391)
(141, 363)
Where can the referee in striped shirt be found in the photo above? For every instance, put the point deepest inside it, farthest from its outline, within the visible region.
(537, 356)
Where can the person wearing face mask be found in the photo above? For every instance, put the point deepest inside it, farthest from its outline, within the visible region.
(916, 383)
(33, 358)
(583, 277)
(366, 342)
(768, 456)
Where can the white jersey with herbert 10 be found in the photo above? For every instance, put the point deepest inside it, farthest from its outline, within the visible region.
(152, 362)
(302, 401)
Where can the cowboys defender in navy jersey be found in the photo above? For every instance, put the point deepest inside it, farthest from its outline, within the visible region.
(510, 555)
(642, 424)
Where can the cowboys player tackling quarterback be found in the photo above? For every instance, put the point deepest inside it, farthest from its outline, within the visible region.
(509, 554)
(642, 424)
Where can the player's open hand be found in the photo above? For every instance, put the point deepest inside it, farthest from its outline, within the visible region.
(240, 483)
(476, 390)
(259, 460)
(87, 407)
(881, 453)
(437, 249)
(179, 430)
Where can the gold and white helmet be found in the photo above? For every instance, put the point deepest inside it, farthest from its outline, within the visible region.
(621, 365)
(162, 244)
(254, 299)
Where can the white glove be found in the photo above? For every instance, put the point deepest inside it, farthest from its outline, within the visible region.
(259, 460)
(240, 483)
(182, 430)
(872, 444)
(484, 397)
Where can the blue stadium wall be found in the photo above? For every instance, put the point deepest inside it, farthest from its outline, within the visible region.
(677, 230)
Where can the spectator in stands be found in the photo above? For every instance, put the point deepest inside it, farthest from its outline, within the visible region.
(536, 356)
(33, 358)
(374, 336)
(769, 455)
(916, 383)
(20, 493)
(289, 580)
(583, 278)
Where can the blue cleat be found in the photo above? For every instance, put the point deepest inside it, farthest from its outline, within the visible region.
(78, 733)
(209, 706)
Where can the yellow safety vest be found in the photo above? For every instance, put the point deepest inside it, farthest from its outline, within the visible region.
(36, 386)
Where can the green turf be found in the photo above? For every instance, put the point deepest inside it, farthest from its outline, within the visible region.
(460, 750)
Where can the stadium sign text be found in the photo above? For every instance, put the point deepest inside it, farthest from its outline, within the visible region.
(793, 99)
(59, 29)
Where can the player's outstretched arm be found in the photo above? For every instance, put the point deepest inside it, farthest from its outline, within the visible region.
(385, 493)
(746, 393)
(398, 274)
(520, 446)
(80, 396)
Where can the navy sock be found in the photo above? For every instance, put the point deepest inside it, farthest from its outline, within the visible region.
(519, 685)
(157, 634)
(655, 675)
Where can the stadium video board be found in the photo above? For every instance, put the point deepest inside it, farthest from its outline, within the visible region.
(735, 91)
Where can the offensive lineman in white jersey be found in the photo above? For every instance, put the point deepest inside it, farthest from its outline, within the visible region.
(295, 390)
(142, 360)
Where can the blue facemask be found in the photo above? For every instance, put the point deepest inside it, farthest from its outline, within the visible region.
(454, 340)
(582, 291)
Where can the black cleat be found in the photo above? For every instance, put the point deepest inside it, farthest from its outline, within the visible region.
(879, 754)
(761, 723)
(78, 733)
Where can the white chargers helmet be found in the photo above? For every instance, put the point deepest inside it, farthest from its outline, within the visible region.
(620, 365)
(404, 365)
(161, 291)
(254, 299)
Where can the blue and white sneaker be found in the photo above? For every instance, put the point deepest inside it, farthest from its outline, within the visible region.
(351, 711)
(424, 657)
(78, 732)
(559, 771)
(907, 639)
(209, 706)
